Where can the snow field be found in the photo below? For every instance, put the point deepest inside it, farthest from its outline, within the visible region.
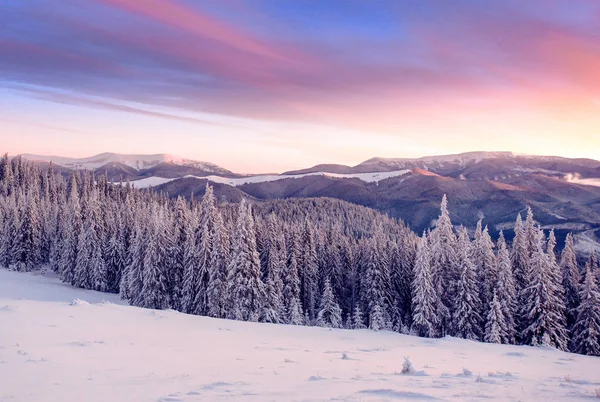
(55, 349)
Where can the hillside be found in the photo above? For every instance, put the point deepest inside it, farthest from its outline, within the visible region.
(564, 193)
(59, 348)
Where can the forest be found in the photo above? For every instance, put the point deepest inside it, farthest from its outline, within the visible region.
(299, 261)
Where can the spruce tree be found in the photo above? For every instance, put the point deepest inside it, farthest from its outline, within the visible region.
(466, 320)
(570, 280)
(330, 314)
(246, 289)
(217, 285)
(291, 289)
(505, 290)
(425, 320)
(357, 318)
(543, 310)
(154, 289)
(586, 332)
(495, 327)
(444, 267)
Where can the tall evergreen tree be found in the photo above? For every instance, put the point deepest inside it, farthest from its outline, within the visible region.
(308, 271)
(291, 289)
(246, 291)
(543, 311)
(444, 266)
(424, 296)
(586, 332)
(505, 291)
(330, 314)
(466, 320)
(495, 329)
(570, 280)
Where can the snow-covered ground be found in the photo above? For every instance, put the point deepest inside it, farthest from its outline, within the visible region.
(54, 349)
(238, 181)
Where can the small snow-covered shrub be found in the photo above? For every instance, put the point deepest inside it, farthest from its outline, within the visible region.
(567, 378)
(345, 356)
(79, 302)
(467, 372)
(479, 379)
(407, 367)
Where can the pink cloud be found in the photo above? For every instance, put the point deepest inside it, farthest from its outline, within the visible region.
(190, 20)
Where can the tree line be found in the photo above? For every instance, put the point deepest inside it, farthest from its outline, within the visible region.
(300, 261)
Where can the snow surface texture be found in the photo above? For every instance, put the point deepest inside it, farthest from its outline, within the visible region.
(366, 177)
(56, 347)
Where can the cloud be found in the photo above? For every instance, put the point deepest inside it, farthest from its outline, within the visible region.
(432, 58)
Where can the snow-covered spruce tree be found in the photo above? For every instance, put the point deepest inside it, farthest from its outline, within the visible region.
(181, 230)
(205, 245)
(94, 230)
(115, 252)
(330, 314)
(90, 267)
(495, 327)
(570, 280)
(291, 289)
(28, 236)
(586, 332)
(190, 264)
(154, 290)
(466, 319)
(72, 225)
(274, 309)
(308, 271)
(377, 285)
(132, 289)
(520, 259)
(485, 260)
(424, 301)
(246, 289)
(401, 273)
(444, 266)
(217, 285)
(543, 310)
(357, 318)
(505, 290)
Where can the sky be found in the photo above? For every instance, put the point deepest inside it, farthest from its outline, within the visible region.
(273, 85)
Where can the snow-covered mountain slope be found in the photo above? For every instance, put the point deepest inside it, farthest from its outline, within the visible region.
(463, 159)
(138, 162)
(54, 346)
(238, 181)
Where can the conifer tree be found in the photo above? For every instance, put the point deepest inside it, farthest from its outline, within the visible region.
(217, 285)
(495, 330)
(246, 291)
(330, 314)
(308, 271)
(505, 290)
(291, 289)
(570, 280)
(586, 332)
(154, 289)
(444, 266)
(466, 319)
(357, 318)
(483, 256)
(520, 259)
(274, 310)
(543, 311)
(424, 297)
(205, 245)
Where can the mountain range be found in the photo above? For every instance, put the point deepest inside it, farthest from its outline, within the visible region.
(564, 193)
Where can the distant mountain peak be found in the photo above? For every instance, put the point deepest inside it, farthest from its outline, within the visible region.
(135, 161)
